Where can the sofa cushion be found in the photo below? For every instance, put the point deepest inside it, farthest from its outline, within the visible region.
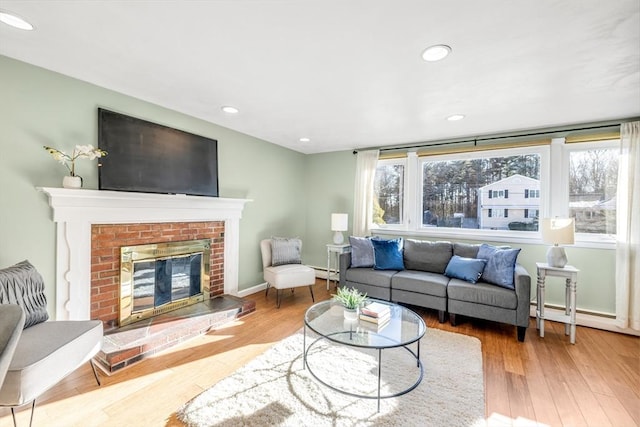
(421, 282)
(467, 269)
(285, 250)
(482, 293)
(21, 284)
(361, 251)
(466, 250)
(427, 256)
(387, 254)
(369, 276)
(501, 264)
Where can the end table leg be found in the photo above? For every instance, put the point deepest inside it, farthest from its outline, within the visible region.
(572, 337)
(328, 267)
(541, 303)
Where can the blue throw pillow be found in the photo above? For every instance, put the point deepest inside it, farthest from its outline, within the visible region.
(361, 252)
(387, 254)
(501, 264)
(467, 269)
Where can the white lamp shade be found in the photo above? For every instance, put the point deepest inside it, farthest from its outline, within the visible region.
(339, 221)
(558, 231)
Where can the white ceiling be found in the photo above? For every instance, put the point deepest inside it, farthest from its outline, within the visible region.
(348, 73)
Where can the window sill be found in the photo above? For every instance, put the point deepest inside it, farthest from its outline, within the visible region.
(520, 237)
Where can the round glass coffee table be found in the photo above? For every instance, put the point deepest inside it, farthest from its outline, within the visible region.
(403, 329)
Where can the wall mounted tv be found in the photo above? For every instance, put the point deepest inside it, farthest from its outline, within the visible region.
(148, 157)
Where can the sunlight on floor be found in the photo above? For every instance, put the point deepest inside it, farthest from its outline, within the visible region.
(499, 420)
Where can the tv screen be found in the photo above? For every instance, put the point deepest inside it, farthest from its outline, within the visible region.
(148, 157)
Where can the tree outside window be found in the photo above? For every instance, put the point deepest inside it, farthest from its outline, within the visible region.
(388, 193)
(593, 176)
(461, 193)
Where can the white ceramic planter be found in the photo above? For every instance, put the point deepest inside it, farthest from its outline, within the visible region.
(350, 314)
(72, 182)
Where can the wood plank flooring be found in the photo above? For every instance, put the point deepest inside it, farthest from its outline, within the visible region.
(543, 381)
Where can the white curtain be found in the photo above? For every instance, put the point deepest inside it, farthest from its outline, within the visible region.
(628, 229)
(366, 164)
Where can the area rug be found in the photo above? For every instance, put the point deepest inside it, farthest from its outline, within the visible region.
(275, 390)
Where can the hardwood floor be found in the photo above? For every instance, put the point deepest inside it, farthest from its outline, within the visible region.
(543, 381)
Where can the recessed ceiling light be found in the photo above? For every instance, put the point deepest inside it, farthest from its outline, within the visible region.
(304, 139)
(436, 53)
(15, 21)
(230, 110)
(455, 117)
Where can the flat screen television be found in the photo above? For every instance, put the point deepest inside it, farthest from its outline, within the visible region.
(151, 158)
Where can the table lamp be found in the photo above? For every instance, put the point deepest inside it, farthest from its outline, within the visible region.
(339, 224)
(558, 231)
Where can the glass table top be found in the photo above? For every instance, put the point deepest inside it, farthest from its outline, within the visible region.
(326, 319)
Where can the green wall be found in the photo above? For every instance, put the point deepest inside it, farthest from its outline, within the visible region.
(40, 107)
(293, 194)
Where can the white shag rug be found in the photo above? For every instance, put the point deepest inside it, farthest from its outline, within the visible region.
(275, 390)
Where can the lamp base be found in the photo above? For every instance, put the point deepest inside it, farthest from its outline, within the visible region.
(338, 238)
(556, 256)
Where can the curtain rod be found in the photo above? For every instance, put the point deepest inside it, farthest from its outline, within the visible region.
(490, 138)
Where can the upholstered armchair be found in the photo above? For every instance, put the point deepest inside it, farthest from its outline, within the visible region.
(11, 324)
(46, 351)
(282, 266)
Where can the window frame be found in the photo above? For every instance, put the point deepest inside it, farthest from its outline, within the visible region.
(554, 167)
(598, 240)
(403, 199)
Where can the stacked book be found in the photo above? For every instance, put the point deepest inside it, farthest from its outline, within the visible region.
(376, 313)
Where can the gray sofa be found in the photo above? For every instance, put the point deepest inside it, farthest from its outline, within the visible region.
(423, 283)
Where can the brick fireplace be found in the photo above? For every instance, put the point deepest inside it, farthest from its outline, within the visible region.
(107, 239)
(82, 216)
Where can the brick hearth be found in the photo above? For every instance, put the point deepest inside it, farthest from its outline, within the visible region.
(106, 240)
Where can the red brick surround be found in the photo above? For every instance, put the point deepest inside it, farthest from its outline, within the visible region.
(106, 241)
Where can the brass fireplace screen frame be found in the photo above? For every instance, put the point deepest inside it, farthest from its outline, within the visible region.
(129, 255)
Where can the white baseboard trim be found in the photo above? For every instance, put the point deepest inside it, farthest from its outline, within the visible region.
(591, 321)
(252, 290)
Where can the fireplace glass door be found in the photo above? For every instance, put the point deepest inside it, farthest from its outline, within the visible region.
(161, 281)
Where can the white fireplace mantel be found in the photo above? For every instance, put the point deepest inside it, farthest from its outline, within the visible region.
(75, 210)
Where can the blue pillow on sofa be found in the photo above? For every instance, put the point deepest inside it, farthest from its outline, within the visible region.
(387, 254)
(501, 264)
(467, 269)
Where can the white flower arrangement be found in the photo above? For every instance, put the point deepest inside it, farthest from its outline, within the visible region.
(80, 152)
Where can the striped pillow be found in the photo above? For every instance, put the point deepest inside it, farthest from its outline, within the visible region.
(22, 284)
(285, 250)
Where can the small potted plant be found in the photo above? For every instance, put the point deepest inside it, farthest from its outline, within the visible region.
(351, 299)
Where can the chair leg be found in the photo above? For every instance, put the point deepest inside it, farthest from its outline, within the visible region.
(311, 290)
(13, 414)
(266, 294)
(95, 373)
(278, 298)
(33, 409)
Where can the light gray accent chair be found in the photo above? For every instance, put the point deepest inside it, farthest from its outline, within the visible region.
(285, 276)
(47, 351)
(11, 324)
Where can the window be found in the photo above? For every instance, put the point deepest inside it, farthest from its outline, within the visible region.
(463, 194)
(593, 175)
(506, 191)
(388, 190)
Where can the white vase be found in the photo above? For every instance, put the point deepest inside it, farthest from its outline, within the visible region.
(72, 181)
(350, 313)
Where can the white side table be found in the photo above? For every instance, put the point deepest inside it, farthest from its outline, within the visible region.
(337, 250)
(570, 274)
